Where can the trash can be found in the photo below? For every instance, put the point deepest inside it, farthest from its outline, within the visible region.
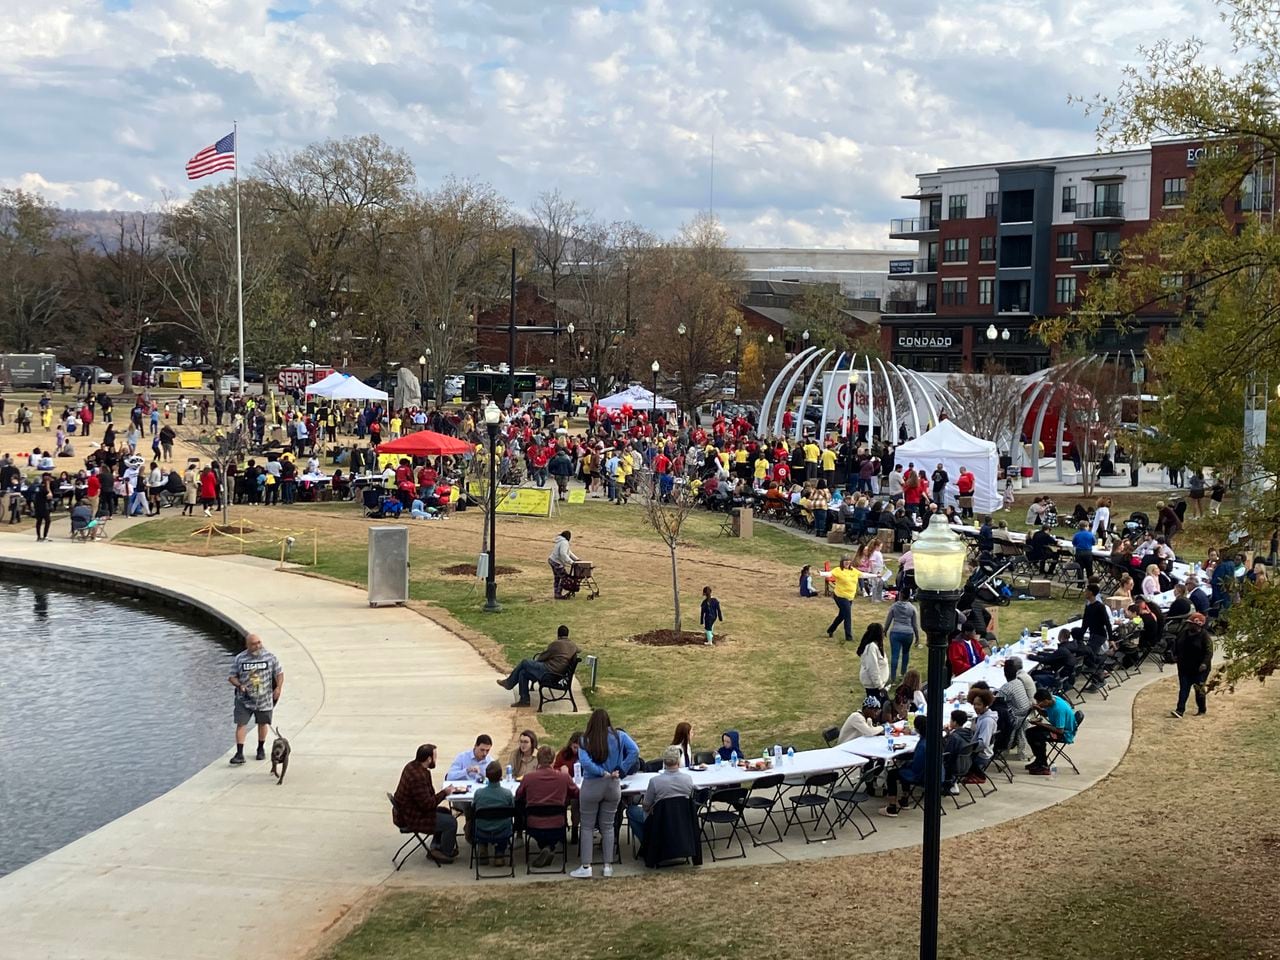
(742, 522)
(388, 565)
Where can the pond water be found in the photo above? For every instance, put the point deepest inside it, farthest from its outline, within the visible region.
(105, 703)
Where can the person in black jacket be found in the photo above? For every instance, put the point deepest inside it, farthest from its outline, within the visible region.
(1096, 620)
(1194, 656)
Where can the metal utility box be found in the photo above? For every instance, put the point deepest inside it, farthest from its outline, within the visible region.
(388, 565)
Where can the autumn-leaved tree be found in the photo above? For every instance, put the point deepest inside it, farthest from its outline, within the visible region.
(688, 291)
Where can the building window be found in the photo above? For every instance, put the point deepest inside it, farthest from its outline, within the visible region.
(993, 203)
(1064, 289)
(987, 248)
(954, 292)
(1068, 199)
(1105, 244)
(986, 291)
(955, 250)
(957, 206)
(1066, 246)
(1175, 191)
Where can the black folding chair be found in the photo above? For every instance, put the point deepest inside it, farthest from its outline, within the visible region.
(764, 795)
(950, 759)
(831, 735)
(849, 795)
(562, 836)
(1057, 749)
(999, 762)
(704, 756)
(968, 753)
(492, 815)
(398, 861)
(723, 808)
(1071, 576)
(808, 807)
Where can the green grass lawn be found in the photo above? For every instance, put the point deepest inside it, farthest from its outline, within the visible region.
(776, 677)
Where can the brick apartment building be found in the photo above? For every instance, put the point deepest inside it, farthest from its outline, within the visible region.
(1004, 244)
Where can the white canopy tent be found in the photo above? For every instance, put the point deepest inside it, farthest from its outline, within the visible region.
(322, 386)
(640, 399)
(953, 448)
(351, 388)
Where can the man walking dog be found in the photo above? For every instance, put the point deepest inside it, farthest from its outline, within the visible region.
(259, 680)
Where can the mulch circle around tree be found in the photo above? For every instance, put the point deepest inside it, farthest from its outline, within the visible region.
(230, 529)
(669, 638)
(469, 570)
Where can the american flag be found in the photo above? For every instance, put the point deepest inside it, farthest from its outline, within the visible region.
(220, 156)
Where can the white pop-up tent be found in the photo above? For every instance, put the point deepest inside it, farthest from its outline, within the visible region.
(953, 448)
(640, 399)
(353, 388)
(322, 386)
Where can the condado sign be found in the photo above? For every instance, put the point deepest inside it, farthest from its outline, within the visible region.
(923, 342)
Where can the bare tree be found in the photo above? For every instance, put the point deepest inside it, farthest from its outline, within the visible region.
(987, 404)
(33, 276)
(666, 516)
(454, 260)
(117, 285)
(557, 223)
(198, 273)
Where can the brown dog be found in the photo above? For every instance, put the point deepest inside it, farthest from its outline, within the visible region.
(279, 756)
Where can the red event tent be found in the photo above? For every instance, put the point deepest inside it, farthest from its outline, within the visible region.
(426, 443)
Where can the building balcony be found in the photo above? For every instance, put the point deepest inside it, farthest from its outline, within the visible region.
(1103, 261)
(911, 227)
(910, 307)
(1104, 211)
(1014, 307)
(912, 268)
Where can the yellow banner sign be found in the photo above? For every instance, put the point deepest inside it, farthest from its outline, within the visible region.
(577, 496)
(525, 501)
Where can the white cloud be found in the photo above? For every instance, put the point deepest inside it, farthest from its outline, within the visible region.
(822, 110)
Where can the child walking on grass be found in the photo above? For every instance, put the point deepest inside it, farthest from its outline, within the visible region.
(710, 614)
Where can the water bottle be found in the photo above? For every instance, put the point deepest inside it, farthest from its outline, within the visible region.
(1053, 771)
(791, 755)
(888, 738)
(777, 755)
(577, 773)
(508, 777)
(719, 760)
(733, 759)
(1025, 634)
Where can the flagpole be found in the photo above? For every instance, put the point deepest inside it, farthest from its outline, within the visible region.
(235, 142)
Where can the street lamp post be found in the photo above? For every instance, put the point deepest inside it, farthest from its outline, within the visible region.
(491, 417)
(653, 412)
(737, 361)
(422, 377)
(312, 324)
(805, 337)
(939, 571)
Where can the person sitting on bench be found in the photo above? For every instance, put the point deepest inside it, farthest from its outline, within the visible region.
(553, 661)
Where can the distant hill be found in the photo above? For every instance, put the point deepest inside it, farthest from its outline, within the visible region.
(99, 223)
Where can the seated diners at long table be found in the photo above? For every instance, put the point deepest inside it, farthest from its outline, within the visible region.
(956, 763)
(547, 786)
(671, 781)
(683, 740)
(490, 833)
(417, 806)
(525, 756)
(984, 731)
(909, 695)
(1017, 694)
(908, 776)
(1055, 721)
(864, 722)
(471, 764)
(730, 746)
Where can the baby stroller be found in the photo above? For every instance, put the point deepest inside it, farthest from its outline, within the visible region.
(371, 498)
(987, 584)
(1137, 524)
(579, 575)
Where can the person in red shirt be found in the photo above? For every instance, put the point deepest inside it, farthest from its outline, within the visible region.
(208, 489)
(964, 487)
(93, 490)
(547, 786)
(964, 651)
(782, 473)
(788, 421)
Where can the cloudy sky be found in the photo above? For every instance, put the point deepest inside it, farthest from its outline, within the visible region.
(821, 110)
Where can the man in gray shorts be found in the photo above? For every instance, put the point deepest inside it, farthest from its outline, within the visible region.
(259, 680)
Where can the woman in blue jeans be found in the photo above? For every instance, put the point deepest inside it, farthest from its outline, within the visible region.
(902, 623)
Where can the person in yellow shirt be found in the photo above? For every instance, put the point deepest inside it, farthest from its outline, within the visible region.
(844, 584)
(812, 454)
(761, 468)
(396, 424)
(740, 462)
(828, 458)
(628, 468)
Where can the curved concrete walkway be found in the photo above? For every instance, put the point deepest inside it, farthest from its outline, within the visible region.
(230, 865)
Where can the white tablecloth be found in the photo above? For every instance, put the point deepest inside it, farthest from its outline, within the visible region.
(877, 748)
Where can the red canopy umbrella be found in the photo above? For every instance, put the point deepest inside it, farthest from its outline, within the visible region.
(426, 443)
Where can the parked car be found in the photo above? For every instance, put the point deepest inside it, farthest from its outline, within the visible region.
(98, 375)
(60, 371)
(560, 384)
(453, 384)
